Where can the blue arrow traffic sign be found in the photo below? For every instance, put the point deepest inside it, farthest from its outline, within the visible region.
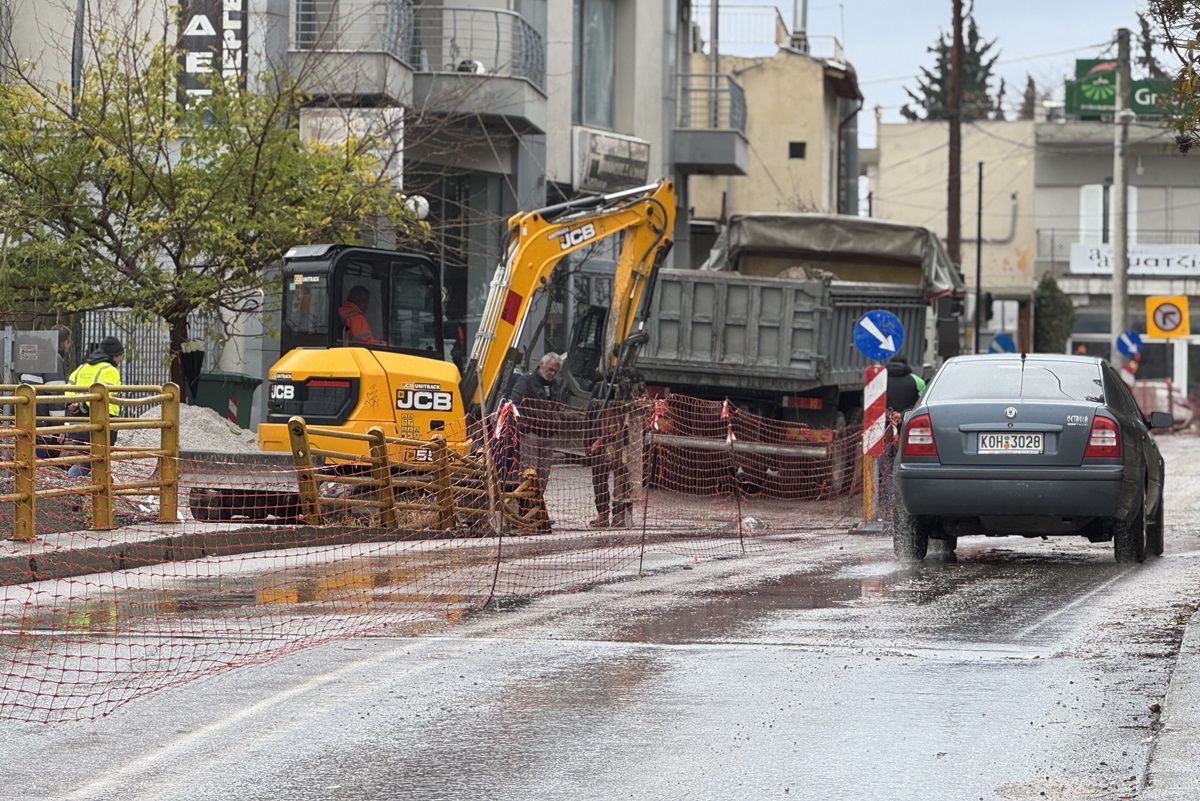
(878, 334)
(1129, 343)
(1002, 343)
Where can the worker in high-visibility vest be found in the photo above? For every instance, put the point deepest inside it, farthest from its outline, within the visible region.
(101, 367)
(353, 313)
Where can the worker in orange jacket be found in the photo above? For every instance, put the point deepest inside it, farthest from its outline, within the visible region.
(353, 312)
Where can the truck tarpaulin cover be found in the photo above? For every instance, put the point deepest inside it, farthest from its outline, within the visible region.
(841, 235)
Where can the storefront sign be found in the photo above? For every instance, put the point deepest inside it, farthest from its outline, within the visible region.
(1094, 91)
(1096, 259)
(212, 38)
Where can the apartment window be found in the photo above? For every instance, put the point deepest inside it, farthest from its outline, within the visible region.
(797, 150)
(594, 63)
(1096, 213)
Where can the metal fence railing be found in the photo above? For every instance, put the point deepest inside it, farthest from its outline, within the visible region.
(710, 101)
(354, 25)
(478, 40)
(147, 343)
(437, 39)
(1054, 244)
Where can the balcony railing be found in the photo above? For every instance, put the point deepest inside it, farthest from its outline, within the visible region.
(431, 39)
(479, 41)
(1054, 244)
(711, 102)
(354, 26)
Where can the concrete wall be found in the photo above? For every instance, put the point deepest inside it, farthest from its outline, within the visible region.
(786, 102)
(43, 31)
(909, 186)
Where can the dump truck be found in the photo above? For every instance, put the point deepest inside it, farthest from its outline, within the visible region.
(768, 322)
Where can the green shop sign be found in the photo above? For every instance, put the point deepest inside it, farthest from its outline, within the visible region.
(1093, 93)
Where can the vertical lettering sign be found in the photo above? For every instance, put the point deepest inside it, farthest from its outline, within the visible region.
(212, 38)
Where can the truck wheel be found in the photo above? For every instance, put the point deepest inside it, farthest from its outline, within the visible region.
(841, 466)
(910, 536)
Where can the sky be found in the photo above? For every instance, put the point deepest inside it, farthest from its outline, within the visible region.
(887, 41)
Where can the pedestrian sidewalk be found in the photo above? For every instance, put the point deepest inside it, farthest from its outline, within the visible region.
(1173, 770)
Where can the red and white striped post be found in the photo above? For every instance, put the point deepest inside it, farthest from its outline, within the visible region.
(1129, 370)
(874, 428)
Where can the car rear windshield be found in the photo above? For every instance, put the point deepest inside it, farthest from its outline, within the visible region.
(989, 380)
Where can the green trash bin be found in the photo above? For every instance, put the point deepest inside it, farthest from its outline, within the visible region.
(230, 395)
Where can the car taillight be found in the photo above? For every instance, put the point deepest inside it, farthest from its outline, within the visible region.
(1104, 441)
(918, 437)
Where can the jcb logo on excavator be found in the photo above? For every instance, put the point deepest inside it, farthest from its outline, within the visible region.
(282, 392)
(570, 237)
(425, 401)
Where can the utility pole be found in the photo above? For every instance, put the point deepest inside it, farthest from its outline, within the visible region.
(714, 97)
(978, 260)
(1120, 279)
(954, 117)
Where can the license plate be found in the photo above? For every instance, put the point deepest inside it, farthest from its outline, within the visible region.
(1010, 443)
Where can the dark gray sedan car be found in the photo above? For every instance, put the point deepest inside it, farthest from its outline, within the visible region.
(1030, 445)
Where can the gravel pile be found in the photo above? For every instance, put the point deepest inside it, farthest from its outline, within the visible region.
(200, 429)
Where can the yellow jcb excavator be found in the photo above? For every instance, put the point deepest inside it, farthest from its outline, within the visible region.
(396, 375)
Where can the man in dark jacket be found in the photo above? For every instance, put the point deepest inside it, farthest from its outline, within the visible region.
(608, 452)
(904, 389)
(903, 386)
(530, 393)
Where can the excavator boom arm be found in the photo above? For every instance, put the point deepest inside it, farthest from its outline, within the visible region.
(538, 240)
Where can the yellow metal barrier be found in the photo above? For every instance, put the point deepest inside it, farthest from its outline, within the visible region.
(442, 485)
(21, 424)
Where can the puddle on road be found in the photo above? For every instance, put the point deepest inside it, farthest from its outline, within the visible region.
(395, 585)
(719, 613)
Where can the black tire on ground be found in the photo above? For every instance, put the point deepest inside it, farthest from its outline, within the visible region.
(208, 505)
(910, 537)
(1154, 531)
(950, 544)
(198, 504)
(1129, 537)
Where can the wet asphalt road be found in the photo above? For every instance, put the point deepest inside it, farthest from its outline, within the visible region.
(819, 669)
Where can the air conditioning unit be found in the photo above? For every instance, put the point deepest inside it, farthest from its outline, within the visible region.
(608, 162)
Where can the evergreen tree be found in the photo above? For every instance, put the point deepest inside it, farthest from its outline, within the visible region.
(1029, 100)
(1053, 317)
(1146, 45)
(931, 99)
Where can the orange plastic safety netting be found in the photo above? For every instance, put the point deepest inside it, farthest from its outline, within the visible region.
(259, 558)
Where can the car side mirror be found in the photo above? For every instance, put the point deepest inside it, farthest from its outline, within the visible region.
(1161, 420)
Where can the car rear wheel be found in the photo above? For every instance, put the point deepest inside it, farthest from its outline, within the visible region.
(1154, 531)
(910, 537)
(1129, 537)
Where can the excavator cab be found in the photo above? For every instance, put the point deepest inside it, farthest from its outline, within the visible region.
(325, 286)
(386, 368)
